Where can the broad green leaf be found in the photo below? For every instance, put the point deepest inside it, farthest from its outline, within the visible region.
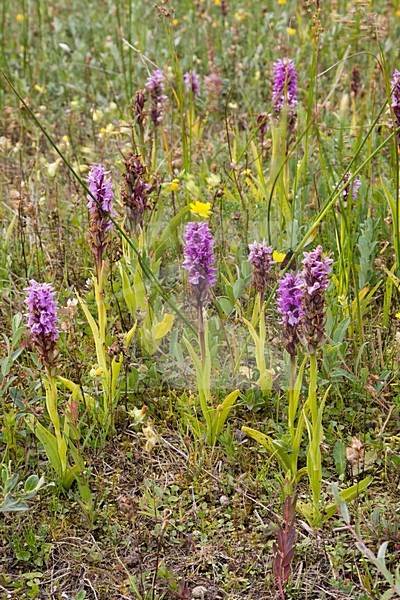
(128, 292)
(339, 454)
(129, 335)
(48, 440)
(31, 484)
(100, 350)
(382, 552)
(348, 494)
(225, 305)
(115, 370)
(166, 236)
(164, 327)
(271, 445)
(222, 411)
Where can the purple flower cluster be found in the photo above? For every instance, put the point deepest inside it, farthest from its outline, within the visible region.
(156, 87)
(350, 189)
(315, 275)
(214, 88)
(42, 319)
(290, 305)
(315, 272)
(284, 92)
(101, 187)
(395, 87)
(100, 208)
(192, 82)
(260, 257)
(135, 192)
(301, 302)
(199, 259)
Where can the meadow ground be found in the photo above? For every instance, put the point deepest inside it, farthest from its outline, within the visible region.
(167, 430)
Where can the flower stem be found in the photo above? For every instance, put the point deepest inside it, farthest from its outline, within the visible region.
(291, 394)
(312, 388)
(202, 340)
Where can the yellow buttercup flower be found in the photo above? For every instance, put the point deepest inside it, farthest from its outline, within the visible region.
(173, 186)
(278, 257)
(202, 209)
(281, 1)
(96, 371)
(290, 30)
(20, 17)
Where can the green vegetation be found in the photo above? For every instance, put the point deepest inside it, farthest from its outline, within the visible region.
(199, 299)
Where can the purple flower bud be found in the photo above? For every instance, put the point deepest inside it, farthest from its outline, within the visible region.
(42, 319)
(260, 257)
(395, 87)
(198, 259)
(284, 92)
(315, 275)
(356, 186)
(192, 82)
(100, 208)
(155, 85)
(352, 188)
(290, 305)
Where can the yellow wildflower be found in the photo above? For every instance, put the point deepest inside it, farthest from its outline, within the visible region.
(278, 257)
(96, 371)
(202, 209)
(173, 186)
(290, 30)
(20, 17)
(240, 15)
(281, 1)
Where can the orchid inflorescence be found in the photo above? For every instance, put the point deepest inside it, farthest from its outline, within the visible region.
(100, 205)
(284, 92)
(395, 97)
(192, 82)
(42, 320)
(199, 260)
(155, 85)
(260, 257)
(301, 302)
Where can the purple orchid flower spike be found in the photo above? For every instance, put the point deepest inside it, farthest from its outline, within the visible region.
(199, 260)
(42, 320)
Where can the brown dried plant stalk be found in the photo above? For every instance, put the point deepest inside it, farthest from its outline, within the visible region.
(284, 548)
